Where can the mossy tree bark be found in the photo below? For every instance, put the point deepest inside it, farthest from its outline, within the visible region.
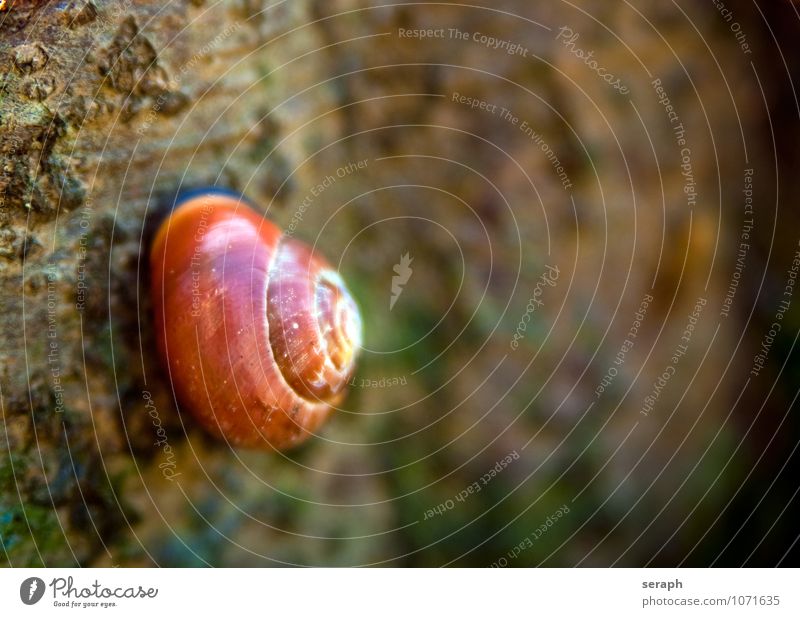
(108, 108)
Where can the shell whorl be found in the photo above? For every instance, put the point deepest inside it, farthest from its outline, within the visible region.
(258, 333)
(314, 324)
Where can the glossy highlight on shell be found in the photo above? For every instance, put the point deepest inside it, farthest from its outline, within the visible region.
(258, 333)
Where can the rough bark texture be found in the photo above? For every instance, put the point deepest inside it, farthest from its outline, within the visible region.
(109, 108)
(103, 109)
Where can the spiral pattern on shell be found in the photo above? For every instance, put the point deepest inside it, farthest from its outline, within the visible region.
(258, 333)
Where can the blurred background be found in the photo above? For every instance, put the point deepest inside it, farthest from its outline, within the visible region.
(592, 210)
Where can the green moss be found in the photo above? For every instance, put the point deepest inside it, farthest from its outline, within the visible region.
(31, 536)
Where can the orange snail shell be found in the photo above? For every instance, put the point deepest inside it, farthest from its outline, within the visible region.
(259, 334)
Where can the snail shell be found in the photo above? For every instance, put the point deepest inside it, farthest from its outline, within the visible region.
(258, 333)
